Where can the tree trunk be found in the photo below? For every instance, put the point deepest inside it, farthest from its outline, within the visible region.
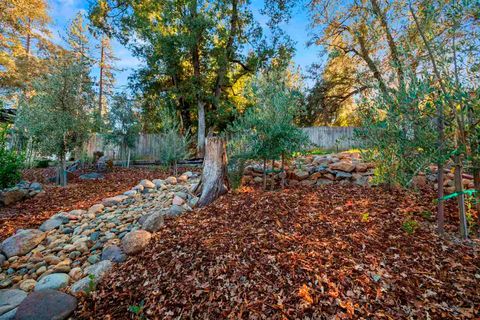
(272, 186)
(476, 183)
(201, 130)
(62, 172)
(100, 85)
(128, 158)
(283, 171)
(214, 182)
(264, 174)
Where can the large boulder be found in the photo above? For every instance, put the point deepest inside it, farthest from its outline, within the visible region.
(11, 196)
(153, 222)
(53, 281)
(22, 242)
(10, 299)
(342, 166)
(113, 201)
(147, 184)
(46, 305)
(135, 241)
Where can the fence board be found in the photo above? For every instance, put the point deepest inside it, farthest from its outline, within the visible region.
(336, 138)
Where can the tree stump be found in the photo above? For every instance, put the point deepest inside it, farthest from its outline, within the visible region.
(214, 182)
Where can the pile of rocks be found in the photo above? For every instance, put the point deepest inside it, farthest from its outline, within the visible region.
(318, 170)
(346, 167)
(73, 250)
(22, 190)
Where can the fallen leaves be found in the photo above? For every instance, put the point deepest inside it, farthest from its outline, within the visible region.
(295, 254)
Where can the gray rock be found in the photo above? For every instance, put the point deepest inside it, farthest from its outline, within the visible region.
(92, 176)
(53, 281)
(113, 201)
(130, 193)
(51, 224)
(94, 275)
(2, 260)
(153, 222)
(10, 315)
(175, 211)
(341, 175)
(142, 219)
(135, 241)
(46, 305)
(22, 242)
(36, 186)
(10, 299)
(114, 254)
(99, 269)
(93, 259)
(158, 182)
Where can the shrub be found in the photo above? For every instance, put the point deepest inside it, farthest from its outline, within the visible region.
(42, 163)
(11, 162)
(409, 226)
(173, 146)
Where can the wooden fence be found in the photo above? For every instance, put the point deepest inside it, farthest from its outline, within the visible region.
(331, 138)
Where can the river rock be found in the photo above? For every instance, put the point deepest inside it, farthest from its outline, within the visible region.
(51, 224)
(22, 242)
(178, 201)
(147, 184)
(153, 222)
(114, 254)
(171, 180)
(46, 305)
(96, 208)
(175, 211)
(135, 241)
(53, 281)
(10, 299)
(113, 201)
(158, 182)
(27, 285)
(94, 275)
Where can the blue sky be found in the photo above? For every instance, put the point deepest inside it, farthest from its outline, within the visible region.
(63, 12)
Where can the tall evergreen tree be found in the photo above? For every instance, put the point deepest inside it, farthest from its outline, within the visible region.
(106, 82)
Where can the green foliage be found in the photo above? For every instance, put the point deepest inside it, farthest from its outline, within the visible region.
(56, 117)
(398, 133)
(267, 129)
(137, 310)
(365, 217)
(91, 283)
(409, 226)
(124, 123)
(42, 163)
(173, 145)
(11, 162)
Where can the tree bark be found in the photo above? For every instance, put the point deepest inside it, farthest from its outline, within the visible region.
(214, 182)
(100, 84)
(272, 186)
(201, 130)
(264, 174)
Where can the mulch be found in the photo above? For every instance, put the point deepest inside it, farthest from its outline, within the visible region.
(333, 252)
(78, 194)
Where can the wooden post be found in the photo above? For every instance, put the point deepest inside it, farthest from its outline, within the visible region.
(214, 182)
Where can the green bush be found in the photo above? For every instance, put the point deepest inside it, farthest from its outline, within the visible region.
(42, 163)
(11, 162)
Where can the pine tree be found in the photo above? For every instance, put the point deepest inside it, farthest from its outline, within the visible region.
(106, 81)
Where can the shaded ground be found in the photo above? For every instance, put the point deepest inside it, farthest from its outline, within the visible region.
(79, 194)
(304, 253)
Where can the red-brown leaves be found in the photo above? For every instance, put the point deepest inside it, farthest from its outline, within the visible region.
(299, 253)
